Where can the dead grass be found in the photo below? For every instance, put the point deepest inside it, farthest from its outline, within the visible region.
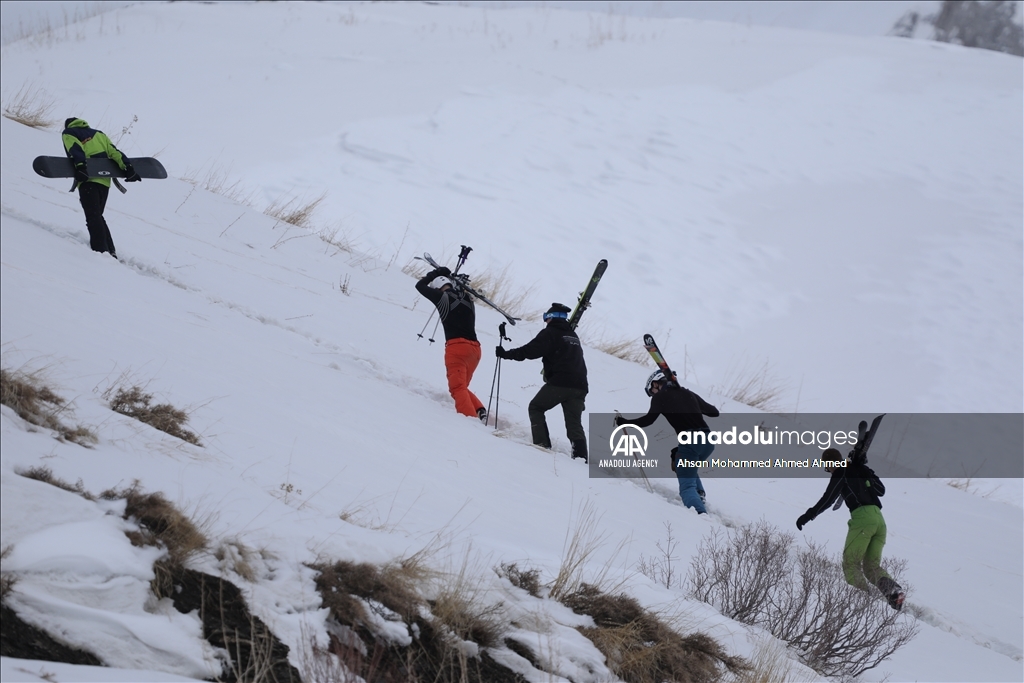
(583, 539)
(626, 348)
(641, 647)
(295, 211)
(36, 403)
(137, 404)
(460, 604)
(45, 475)
(161, 524)
(500, 288)
(218, 181)
(32, 107)
(527, 579)
(338, 238)
(372, 606)
(754, 385)
(236, 556)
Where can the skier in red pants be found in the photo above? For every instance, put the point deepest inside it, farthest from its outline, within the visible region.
(461, 348)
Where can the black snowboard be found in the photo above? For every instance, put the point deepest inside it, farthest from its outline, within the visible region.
(61, 167)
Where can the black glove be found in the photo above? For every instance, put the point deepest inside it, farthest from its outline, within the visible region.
(500, 352)
(130, 176)
(80, 175)
(803, 519)
(442, 271)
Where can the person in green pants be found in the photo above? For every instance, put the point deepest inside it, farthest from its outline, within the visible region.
(861, 489)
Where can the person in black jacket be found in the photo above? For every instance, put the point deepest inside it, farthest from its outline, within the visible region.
(461, 348)
(685, 411)
(861, 489)
(565, 378)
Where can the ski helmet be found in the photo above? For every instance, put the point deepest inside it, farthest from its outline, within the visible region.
(439, 282)
(557, 311)
(656, 376)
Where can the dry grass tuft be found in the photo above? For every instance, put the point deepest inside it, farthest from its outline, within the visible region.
(217, 180)
(755, 386)
(388, 585)
(583, 539)
(31, 107)
(136, 403)
(527, 579)
(641, 647)
(45, 474)
(295, 211)
(626, 348)
(460, 605)
(383, 628)
(236, 556)
(338, 238)
(161, 524)
(38, 404)
(506, 295)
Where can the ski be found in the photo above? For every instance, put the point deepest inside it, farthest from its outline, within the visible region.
(584, 301)
(859, 454)
(462, 281)
(860, 451)
(659, 360)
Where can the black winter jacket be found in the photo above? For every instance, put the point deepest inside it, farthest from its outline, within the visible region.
(857, 484)
(683, 409)
(560, 350)
(455, 306)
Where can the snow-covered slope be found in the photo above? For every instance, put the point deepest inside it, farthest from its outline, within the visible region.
(849, 208)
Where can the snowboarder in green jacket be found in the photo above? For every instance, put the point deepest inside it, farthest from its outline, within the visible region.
(80, 143)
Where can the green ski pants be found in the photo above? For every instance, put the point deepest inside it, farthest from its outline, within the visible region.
(862, 555)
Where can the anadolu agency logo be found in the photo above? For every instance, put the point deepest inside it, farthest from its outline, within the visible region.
(628, 444)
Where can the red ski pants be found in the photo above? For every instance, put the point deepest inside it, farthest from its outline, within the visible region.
(461, 356)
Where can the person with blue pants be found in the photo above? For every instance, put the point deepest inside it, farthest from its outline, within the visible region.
(685, 411)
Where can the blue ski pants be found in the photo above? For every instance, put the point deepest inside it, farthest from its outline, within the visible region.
(690, 486)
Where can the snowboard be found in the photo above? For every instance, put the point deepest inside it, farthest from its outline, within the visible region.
(62, 167)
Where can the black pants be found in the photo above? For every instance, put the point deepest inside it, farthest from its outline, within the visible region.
(572, 402)
(94, 200)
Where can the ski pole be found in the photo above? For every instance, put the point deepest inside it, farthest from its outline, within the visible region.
(496, 378)
(463, 254)
(435, 329)
(420, 335)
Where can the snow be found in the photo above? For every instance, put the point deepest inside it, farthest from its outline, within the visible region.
(846, 208)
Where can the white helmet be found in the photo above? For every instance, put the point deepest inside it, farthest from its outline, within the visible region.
(656, 376)
(439, 282)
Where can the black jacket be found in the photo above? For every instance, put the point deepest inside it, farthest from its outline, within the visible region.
(455, 306)
(559, 348)
(683, 409)
(857, 484)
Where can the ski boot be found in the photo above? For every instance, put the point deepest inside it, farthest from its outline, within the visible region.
(579, 450)
(893, 592)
